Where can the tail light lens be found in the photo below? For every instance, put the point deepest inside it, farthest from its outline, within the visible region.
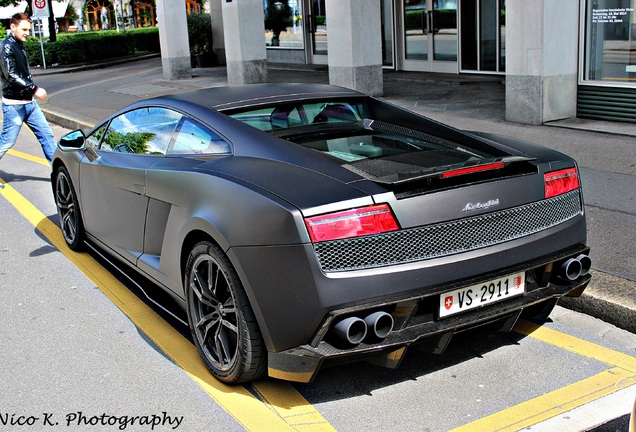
(560, 182)
(351, 223)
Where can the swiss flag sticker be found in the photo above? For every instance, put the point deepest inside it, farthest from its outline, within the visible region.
(448, 302)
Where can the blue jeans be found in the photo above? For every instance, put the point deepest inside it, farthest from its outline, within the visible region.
(31, 114)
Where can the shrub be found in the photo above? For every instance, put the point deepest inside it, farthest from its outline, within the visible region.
(200, 32)
(86, 47)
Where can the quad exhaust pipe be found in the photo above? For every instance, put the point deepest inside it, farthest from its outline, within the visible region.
(354, 330)
(574, 268)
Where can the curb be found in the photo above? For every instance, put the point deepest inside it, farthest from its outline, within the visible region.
(617, 307)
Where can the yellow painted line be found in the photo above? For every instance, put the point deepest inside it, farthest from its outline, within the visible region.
(292, 407)
(577, 346)
(620, 376)
(29, 157)
(252, 413)
(552, 404)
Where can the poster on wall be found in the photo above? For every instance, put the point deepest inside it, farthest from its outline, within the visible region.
(610, 40)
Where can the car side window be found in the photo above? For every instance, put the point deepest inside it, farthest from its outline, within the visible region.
(142, 131)
(193, 138)
(95, 138)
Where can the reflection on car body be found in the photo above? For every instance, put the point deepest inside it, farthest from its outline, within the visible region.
(304, 225)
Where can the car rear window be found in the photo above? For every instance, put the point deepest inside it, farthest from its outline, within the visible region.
(301, 114)
(377, 150)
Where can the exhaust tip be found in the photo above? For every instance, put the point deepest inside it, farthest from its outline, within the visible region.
(586, 264)
(379, 324)
(352, 330)
(571, 269)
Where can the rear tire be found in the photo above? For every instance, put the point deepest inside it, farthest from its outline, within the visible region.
(68, 210)
(222, 322)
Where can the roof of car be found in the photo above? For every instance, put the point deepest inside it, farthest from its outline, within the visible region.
(233, 97)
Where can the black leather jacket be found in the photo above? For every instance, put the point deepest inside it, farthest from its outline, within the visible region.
(17, 82)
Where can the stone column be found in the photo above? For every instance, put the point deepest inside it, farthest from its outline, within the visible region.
(173, 38)
(541, 60)
(218, 38)
(355, 45)
(244, 33)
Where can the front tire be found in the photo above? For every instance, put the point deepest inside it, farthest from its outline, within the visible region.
(68, 210)
(223, 326)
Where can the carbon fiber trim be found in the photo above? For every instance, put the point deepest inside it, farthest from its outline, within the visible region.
(434, 241)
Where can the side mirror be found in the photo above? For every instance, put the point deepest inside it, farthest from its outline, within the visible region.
(73, 141)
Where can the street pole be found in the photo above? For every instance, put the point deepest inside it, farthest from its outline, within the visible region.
(42, 44)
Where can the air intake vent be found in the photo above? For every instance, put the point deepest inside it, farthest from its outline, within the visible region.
(607, 103)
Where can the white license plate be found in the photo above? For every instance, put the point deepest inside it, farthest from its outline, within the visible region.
(481, 294)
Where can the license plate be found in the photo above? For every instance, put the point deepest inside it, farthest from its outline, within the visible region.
(474, 296)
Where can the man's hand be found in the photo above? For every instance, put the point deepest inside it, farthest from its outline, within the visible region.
(40, 93)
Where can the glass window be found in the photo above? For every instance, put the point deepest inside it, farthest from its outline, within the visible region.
(193, 138)
(610, 41)
(283, 23)
(141, 131)
(289, 116)
(95, 138)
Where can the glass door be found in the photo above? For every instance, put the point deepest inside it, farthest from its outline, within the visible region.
(430, 41)
(317, 29)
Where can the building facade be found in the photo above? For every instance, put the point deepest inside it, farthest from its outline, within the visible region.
(559, 58)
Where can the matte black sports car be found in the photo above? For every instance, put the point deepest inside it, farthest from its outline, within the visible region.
(303, 225)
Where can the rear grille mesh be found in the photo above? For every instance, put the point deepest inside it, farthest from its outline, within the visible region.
(434, 241)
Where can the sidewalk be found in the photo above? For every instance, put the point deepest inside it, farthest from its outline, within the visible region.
(473, 102)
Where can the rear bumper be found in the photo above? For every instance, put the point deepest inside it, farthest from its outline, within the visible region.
(416, 322)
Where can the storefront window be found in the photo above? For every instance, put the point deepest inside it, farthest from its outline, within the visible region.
(283, 23)
(610, 41)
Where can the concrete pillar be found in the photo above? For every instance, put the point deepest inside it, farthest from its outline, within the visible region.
(244, 30)
(355, 45)
(173, 38)
(541, 60)
(218, 38)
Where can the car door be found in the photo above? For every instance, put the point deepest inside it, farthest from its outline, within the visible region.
(113, 186)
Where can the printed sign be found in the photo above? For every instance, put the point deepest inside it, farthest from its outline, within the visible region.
(41, 8)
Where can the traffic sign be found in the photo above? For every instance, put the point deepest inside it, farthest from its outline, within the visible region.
(41, 8)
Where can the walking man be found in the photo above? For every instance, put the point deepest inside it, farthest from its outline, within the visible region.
(19, 91)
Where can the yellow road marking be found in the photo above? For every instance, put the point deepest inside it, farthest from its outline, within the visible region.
(621, 375)
(551, 404)
(249, 411)
(291, 406)
(28, 157)
(577, 346)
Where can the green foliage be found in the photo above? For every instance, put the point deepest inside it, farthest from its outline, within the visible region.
(90, 47)
(200, 32)
(134, 142)
(3, 33)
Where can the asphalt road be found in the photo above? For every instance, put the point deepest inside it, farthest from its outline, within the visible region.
(80, 352)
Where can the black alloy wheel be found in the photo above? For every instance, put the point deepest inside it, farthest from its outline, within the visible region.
(223, 326)
(68, 210)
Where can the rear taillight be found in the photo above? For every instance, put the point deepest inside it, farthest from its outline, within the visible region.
(560, 182)
(351, 223)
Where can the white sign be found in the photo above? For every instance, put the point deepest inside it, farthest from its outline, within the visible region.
(41, 8)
